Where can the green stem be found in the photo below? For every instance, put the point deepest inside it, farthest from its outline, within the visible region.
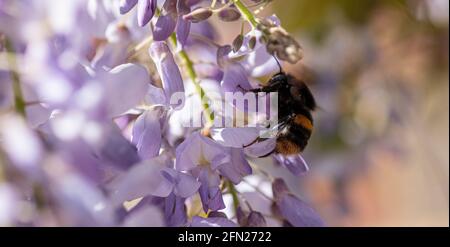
(189, 66)
(19, 102)
(246, 13)
(234, 195)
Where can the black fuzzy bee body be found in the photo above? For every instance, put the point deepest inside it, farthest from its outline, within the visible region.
(295, 104)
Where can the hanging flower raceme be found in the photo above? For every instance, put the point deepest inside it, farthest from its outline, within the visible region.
(109, 121)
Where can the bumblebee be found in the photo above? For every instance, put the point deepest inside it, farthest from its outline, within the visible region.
(295, 104)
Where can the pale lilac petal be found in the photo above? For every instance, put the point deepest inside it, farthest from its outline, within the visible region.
(167, 68)
(185, 185)
(237, 168)
(147, 134)
(198, 221)
(294, 163)
(260, 63)
(149, 216)
(126, 5)
(115, 150)
(126, 86)
(213, 152)
(164, 27)
(155, 96)
(195, 148)
(188, 153)
(142, 180)
(235, 79)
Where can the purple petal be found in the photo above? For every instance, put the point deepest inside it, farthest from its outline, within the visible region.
(235, 78)
(237, 168)
(222, 55)
(196, 149)
(115, 150)
(279, 188)
(183, 28)
(175, 211)
(126, 5)
(142, 180)
(149, 216)
(210, 193)
(260, 149)
(212, 222)
(294, 163)
(255, 219)
(298, 213)
(155, 96)
(260, 63)
(147, 134)
(167, 68)
(164, 27)
(126, 86)
(188, 153)
(185, 184)
(145, 12)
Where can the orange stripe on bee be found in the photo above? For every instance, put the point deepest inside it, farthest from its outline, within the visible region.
(304, 122)
(286, 147)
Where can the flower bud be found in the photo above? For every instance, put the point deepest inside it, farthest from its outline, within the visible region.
(252, 42)
(229, 14)
(237, 42)
(256, 219)
(279, 188)
(198, 15)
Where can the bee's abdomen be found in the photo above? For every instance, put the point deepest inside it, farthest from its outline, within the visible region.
(295, 137)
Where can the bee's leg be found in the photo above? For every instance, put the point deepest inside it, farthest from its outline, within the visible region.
(267, 155)
(259, 139)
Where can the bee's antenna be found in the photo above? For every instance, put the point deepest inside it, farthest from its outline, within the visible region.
(278, 62)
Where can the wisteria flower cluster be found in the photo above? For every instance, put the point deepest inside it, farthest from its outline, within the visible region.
(109, 115)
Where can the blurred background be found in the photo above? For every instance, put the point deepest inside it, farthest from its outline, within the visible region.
(379, 71)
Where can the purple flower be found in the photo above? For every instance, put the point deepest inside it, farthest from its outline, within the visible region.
(147, 134)
(90, 139)
(153, 177)
(296, 212)
(171, 19)
(294, 163)
(167, 68)
(175, 211)
(252, 219)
